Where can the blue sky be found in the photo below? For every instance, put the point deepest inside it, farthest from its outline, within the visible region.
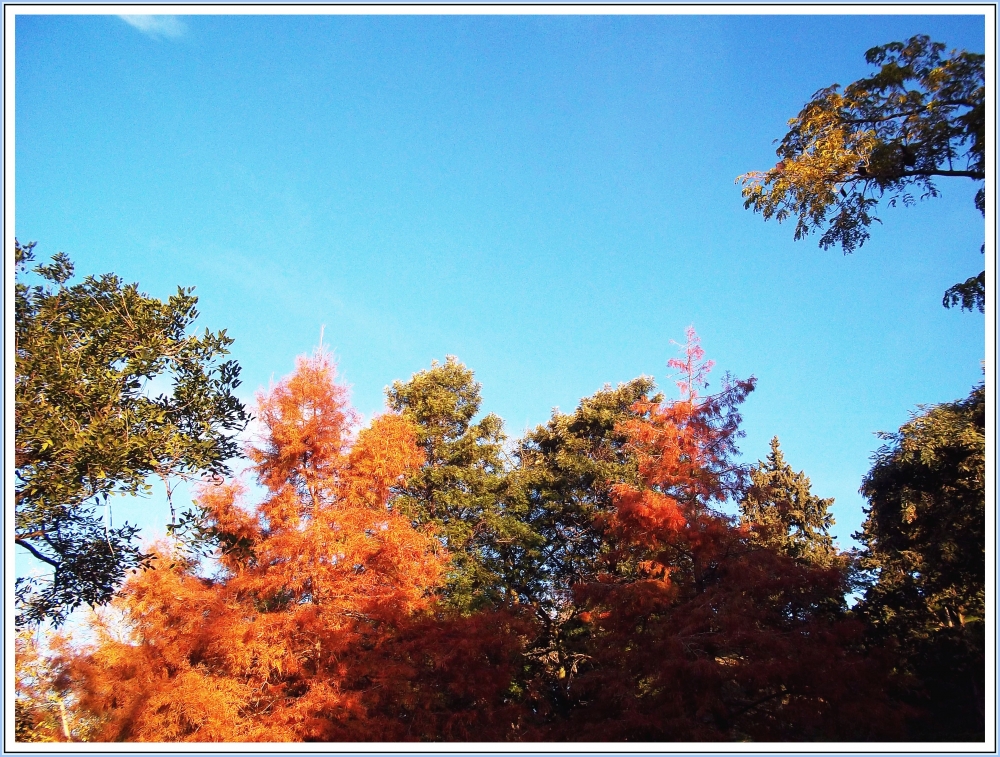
(551, 199)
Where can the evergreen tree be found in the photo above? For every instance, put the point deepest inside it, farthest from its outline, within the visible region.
(632, 606)
(562, 485)
(925, 539)
(781, 512)
(458, 490)
(567, 468)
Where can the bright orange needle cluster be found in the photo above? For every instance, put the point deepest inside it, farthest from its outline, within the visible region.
(281, 645)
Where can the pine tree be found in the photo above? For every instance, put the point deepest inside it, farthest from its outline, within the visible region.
(459, 488)
(782, 513)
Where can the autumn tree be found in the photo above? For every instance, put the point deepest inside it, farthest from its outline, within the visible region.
(920, 117)
(631, 606)
(925, 540)
(88, 424)
(690, 629)
(320, 624)
(44, 705)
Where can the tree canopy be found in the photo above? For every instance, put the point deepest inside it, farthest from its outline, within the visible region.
(926, 529)
(781, 511)
(458, 490)
(317, 626)
(561, 484)
(925, 540)
(618, 573)
(613, 595)
(109, 390)
(920, 117)
(688, 630)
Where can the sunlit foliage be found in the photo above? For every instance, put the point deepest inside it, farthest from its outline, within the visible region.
(89, 425)
(624, 603)
(690, 629)
(920, 117)
(323, 622)
(459, 490)
(780, 511)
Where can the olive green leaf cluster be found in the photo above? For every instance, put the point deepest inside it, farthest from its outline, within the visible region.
(109, 391)
(562, 483)
(921, 116)
(458, 490)
(925, 540)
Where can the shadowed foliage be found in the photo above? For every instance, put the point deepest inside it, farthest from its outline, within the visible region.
(925, 539)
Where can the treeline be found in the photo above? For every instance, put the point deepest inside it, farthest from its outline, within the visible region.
(616, 574)
(425, 578)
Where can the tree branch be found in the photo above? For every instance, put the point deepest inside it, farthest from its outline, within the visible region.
(968, 174)
(36, 553)
(908, 113)
(979, 175)
(744, 710)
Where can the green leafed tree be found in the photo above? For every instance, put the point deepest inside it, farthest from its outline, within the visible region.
(567, 467)
(781, 512)
(110, 390)
(925, 538)
(458, 491)
(920, 117)
(562, 486)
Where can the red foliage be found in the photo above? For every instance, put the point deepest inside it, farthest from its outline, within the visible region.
(693, 632)
(323, 623)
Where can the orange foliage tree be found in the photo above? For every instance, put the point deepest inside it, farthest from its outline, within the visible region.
(310, 622)
(690, 631)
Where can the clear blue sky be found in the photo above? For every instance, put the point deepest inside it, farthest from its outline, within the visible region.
(551, 199)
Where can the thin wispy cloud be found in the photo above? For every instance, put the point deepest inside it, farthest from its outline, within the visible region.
(169, 27)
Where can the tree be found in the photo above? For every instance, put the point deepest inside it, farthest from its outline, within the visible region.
(458, 489)
(323, 623)
(43, 707)
(89, 425)
(636, 609)
(925, 540)
(781, 512)
(691, 629)
(921, 116)
(559, 486)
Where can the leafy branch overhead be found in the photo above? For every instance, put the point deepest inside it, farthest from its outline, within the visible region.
(920, 117)
(109, 390)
